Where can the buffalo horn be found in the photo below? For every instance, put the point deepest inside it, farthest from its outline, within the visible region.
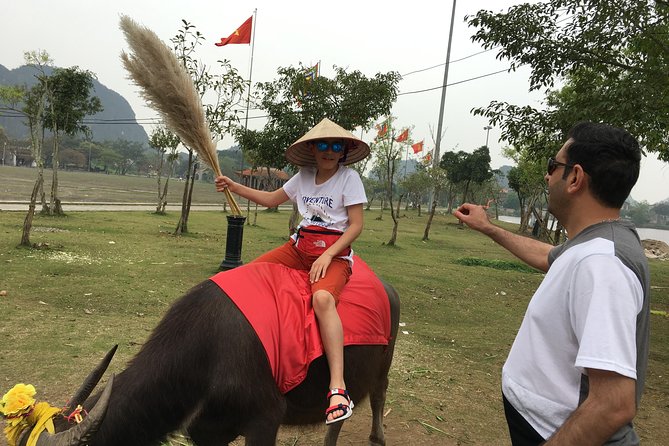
(82, 432)
(90, 382)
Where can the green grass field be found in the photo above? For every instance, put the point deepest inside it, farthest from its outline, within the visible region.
(16, 184)
(106, 278)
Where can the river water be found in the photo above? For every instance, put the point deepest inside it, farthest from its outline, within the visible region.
(644, 233)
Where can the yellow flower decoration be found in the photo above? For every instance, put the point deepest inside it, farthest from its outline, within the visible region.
(21, 413)
(18, 401)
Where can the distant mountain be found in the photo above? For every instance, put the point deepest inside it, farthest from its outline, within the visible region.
(503, 177)
(115, 108)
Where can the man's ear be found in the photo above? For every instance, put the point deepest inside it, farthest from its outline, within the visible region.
(578, 179)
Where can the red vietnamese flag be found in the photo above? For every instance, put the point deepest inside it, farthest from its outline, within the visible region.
(403, 136)
(418, 147)
(241, 34)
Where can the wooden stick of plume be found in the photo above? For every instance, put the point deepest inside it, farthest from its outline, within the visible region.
(167, 87)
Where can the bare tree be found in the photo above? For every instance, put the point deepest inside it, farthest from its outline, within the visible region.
(163, 140)
(439, 180)
(389, 153)
(31, 103)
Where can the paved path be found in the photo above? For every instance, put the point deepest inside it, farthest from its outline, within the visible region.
(71, 207)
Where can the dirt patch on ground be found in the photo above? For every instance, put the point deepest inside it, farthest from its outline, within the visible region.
(655, 249)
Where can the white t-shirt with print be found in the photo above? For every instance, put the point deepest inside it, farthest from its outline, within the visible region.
(325, 204)
(583, 315)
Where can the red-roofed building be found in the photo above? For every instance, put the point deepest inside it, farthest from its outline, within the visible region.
(263, 178)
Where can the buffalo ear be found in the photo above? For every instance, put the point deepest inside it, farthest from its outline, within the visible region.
(81, 434)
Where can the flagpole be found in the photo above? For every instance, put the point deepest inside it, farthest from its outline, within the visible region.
(248, 96)
(248, 105)
(406, 161)
(253, 44)
(235, 235)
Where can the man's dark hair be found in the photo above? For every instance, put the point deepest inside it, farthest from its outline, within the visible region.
(610, 156)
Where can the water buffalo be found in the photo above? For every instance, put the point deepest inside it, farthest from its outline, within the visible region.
(203, 370)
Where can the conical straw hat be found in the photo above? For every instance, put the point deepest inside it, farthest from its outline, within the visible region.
(299, 153)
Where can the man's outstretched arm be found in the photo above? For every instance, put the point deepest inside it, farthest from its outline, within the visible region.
(531, 251)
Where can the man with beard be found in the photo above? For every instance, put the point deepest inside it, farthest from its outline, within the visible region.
(576, 370)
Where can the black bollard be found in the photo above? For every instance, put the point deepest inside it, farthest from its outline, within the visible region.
(233, 243)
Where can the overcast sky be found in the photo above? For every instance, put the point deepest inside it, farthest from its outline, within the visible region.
(369, 36)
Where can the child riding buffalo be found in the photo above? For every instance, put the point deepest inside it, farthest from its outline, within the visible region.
(330, 198)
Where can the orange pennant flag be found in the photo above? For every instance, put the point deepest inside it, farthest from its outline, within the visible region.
(241, 34)
(418, 147)
(427, 158)
(403, 136)
(382, 129)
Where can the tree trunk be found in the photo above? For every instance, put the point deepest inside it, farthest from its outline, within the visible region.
(170, 172)
(42, 193)
(557, 237)
(293, 220)
(383, 205)
(190, 195)
(160, 207)
(54, 202)
(393, 215)
(399, 201)
(466, 191)
(525, 214)
(426, 234)
(163, 200)
(28, 221)
(182, 226)
(451, 197)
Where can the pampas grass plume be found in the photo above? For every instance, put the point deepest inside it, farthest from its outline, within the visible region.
(168, 88)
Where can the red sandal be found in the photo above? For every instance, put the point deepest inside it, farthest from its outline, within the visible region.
(347, 408)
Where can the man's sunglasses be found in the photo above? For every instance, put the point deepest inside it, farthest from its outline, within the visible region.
(552, 165)
(336, 147)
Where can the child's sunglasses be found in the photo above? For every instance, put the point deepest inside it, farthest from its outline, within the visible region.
(336, 147)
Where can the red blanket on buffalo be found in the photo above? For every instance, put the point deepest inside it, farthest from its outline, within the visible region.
(276, 300)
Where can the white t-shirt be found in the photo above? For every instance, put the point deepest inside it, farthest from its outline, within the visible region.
(325, 204)
(583, 315)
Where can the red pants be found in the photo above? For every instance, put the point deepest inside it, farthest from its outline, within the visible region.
(338, 273)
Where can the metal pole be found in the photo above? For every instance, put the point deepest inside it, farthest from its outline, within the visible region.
(435, 160)
(235, 234)
(406, 161)
(437, 155)
(248, 96)
(253, 44)
(487, 133)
